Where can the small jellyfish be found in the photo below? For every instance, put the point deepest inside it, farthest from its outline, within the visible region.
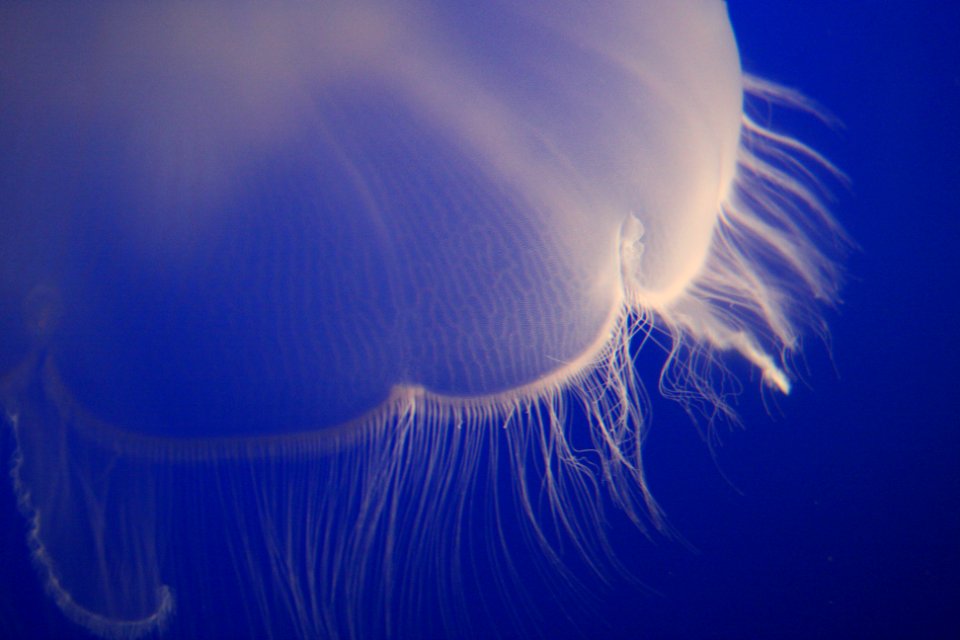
(288, 289)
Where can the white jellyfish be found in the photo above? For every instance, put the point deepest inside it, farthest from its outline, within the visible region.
(296, 282)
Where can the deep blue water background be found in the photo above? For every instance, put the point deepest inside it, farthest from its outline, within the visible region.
(836, 512)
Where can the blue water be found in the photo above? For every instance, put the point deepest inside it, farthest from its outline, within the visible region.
(835, 512)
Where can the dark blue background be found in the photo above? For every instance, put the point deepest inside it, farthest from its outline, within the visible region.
(836, 512)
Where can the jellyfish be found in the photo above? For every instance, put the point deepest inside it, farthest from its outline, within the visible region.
(287, 287)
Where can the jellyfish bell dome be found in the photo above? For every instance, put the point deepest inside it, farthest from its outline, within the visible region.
(275, 218)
